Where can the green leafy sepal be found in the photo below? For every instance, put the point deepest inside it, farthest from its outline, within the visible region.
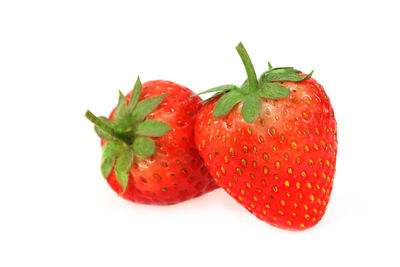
(129, 134)
(253, 89)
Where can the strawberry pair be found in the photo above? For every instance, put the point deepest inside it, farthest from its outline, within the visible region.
(270, 143)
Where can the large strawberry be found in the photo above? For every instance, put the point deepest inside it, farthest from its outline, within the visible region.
(271, 144)
(149, 155)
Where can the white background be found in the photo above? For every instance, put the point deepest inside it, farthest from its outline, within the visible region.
(58, 58)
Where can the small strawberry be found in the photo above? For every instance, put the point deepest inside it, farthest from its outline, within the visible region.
(271, 144)
(149, 154)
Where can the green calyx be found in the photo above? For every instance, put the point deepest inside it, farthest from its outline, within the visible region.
(253, 90)
(128, 135)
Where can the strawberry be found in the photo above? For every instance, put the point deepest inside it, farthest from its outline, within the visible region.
(271, 144)
(149, 154)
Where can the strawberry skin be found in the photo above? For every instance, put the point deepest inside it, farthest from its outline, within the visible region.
(281, 166)
(175, 172)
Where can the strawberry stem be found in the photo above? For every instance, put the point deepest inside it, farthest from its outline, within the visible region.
(251, 73)
(126, 137)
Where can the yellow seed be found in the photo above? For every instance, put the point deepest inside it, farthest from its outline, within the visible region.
(254, 164)
(289, 170)
(211, 138)
(223, 170)
(293, 214)
(274, 218)
(275, 188)
(298, 160)
(315, 146)
(265, 156)
(226, 159)
(218, 175)
(230, 184)
(261, 139)
(286, 183)
(274, 148)
(242, 191)
(244, 163)
(289, 223)
(281, 212)
(224, 138)
(240, 198)
(294, 145)
(249, 131)
(295, 205)
(264, 211)
(301, 225)
(305, 207)
(239, 171)
(272, 131)
(248, 184)
(267, 205)
(307, 217)
(283, 202)
(316, 130)
(232, 151)
(277, 164)
(301, 196)
(245, 148)
(312, 198)
(305, 115)
(303, 174)
(255, 198)
(276, 176)
(306, 148)
(309, 185)
(252, 205)
(210, 157)
(323, 144)
(265, 170)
